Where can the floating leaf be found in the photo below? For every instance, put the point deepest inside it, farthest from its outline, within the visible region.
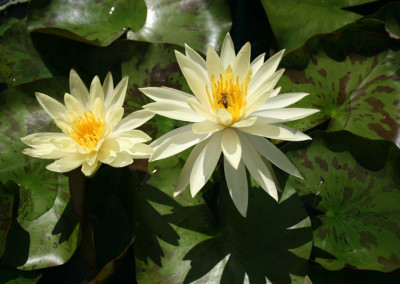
(198, 23)
(327, 16)
(357, 220)
(6, 209)
(181, 241)
(390, 15)
(21, 115)
(19, 61)
(360, 94)
(46, 241)
(97, 22)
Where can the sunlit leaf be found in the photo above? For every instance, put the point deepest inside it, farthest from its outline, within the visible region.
(198, 23)
(97, 22)
(357, 217)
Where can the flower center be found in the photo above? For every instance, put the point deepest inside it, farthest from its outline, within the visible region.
(87, 130)
(229, 94)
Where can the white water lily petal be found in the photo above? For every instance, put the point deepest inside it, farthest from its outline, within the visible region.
(273, 154)
(257, 63)
(187, 62)
(285, 114)
(231, 147)
(96, 91)
(106, 156)
(242, 62)
(268, 84)
(116, 145)
(44, 138)
(67, 163)
(266, 71)
(133, 120)
(108, 85)
(192, 54)
(50, 105)
(72, 104)
(206, 127)
(227, 51)
(62, 123)
(78, 88)
(91, 159)
(141, 151)
(200, 109)
(165, 94)
(90, 169)
(269, 131)
(259, 99)
(134, 136)
(282, 100)
(174, 110)
(205, 163)
(118, 95)
(98, 109)
(114, 117)
(214, 64)
(45, 152)
(245, 122)
(257, 168)
(184, 177)
(299, 136)
(123, 159)
(197, 87)
(224, 117)
(175, 141)
(236, 181)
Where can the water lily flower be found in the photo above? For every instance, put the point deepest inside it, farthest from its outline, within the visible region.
(234, 108)
(93, 131)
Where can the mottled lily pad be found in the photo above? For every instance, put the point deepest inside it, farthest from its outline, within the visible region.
(308, 18)
(97, 22)
(182, 240)
(356, 210)
(360, 94)
(19, 61)
(21, 115)
(46, 241)
(198, 23)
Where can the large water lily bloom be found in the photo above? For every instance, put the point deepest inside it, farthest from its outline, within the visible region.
(93, 131)
(234, 107)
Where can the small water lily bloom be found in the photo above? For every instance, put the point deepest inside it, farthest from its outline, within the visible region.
(93, 131)
(234, 107)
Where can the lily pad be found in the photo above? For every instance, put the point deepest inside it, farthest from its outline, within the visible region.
(356, 214)
(198, 23)
(21, 115)
(309, 17)
(6, 209)
(181, 240)
(19, 61)
(13, 276)
(96, 22)
(360, 94)
(46, 241)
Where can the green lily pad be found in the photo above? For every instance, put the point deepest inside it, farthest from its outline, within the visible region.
(96, 22)
(357, 217)
(21, 115)
(19, 61)
(6, 208)
(197, 23)
(309, 17)
(46, 241)
(360, 94)
(181, 240)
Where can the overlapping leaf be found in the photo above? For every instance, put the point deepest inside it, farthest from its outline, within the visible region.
(198, 23)
(294, 22)
(360, 94)
(357, 218)
(19, 61)
(97, 22)
(182, 241)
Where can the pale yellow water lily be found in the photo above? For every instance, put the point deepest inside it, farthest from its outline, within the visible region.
(93, 131)
(234, 107)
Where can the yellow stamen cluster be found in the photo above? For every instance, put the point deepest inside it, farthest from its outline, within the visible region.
(229, 94)
(87, 130)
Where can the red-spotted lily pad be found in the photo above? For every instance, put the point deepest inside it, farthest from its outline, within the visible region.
(356, 210)
(359, 94)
